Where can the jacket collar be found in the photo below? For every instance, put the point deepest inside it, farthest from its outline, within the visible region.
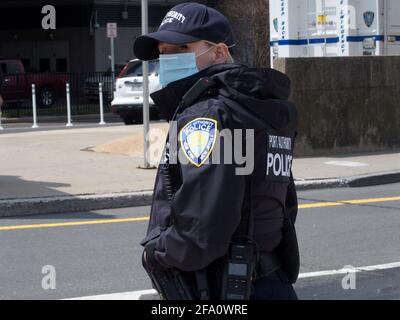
(168, 98)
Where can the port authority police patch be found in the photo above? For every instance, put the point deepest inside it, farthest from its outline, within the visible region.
(369, 17)
(197, 139)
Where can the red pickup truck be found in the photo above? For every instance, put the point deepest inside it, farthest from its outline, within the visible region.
(17, 85)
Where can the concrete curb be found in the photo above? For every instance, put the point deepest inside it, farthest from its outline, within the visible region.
(30, 206)
(64, 204)
(364, 180)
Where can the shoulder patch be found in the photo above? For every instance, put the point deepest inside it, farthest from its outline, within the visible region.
(197, 139)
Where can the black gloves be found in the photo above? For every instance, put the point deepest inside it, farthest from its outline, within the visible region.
(149, 259)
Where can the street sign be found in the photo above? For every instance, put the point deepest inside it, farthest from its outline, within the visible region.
(111, 30)
(112, 33)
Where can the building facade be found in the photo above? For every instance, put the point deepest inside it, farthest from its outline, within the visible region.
(79, 41)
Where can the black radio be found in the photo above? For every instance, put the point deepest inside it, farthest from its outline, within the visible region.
(239, 268)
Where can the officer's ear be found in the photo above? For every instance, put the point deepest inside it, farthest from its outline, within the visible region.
(221, 53)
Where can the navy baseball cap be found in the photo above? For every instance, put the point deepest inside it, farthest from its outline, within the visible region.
(185, 23)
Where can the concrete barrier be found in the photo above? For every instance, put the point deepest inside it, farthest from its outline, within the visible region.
(345, 104)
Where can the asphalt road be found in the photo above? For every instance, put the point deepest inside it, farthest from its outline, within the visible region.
(96, 253)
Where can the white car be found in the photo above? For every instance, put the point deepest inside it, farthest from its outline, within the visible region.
(128, 94)
(91, 85)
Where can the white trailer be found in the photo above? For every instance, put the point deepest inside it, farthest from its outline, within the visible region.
(317, 28)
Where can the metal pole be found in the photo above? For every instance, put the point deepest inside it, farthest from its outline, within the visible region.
(69, 123)
(1, 128)
(101, 104)
(146, 118)
(385, 26)
(112, 67)
(35, 125)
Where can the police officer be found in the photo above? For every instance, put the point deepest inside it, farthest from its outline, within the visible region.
(194, 217)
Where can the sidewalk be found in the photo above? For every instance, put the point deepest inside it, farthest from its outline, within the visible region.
(59, 171)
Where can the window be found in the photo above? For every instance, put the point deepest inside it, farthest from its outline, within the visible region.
(61, 65)
(26, 62)
(135, 70)
(44, 65)
(117, 68)
(11, 68)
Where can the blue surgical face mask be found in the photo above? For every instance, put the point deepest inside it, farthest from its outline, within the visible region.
(177, 66)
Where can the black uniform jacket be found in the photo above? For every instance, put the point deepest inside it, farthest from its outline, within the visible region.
(194, 226)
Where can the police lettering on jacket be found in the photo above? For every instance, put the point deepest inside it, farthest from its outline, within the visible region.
(279, 157)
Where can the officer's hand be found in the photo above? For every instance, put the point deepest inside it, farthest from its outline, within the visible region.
(149, 259)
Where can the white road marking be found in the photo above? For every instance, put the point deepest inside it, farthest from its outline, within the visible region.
(345, 271)
(347, 163)
(136, 295)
